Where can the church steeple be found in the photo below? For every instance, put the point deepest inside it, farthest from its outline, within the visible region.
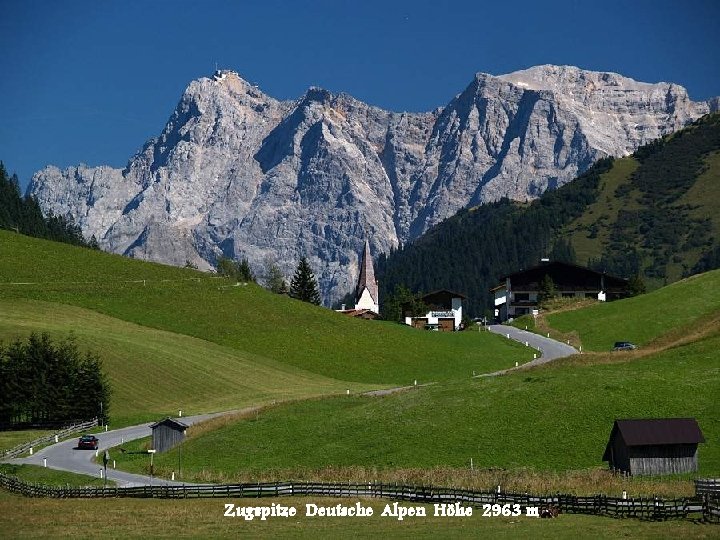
(366, 292)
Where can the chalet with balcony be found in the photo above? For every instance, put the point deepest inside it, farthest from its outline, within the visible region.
(444, 312)
(517, 294)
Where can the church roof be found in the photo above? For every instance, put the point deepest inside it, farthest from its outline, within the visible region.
(367, 276)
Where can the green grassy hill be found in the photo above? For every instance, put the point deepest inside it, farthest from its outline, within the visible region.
(175, 338)
(554, 418)
(557, 418)
(658, 211)
(644, 318)
(155, 373)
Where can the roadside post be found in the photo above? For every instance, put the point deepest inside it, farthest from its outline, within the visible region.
(152, 453)
(106, 458)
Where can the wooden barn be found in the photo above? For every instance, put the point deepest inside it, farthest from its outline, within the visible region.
(167, 434)
(654, 446)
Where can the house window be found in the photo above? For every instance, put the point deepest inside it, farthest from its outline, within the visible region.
(568, 295)
(522, 297)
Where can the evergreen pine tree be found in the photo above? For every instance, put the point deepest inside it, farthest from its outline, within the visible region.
(276, 281)
(547, 290)
(244, 272)
(636, 285)
(304, 285)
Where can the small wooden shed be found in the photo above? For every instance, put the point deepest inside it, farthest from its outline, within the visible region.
(654, 446)
(167, 434)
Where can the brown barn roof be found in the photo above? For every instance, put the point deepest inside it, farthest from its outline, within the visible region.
(656, 431)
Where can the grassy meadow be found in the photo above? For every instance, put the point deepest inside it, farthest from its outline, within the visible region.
(35, 474)
(11, 439)
(179, 339)
(603, 211)
(642, 319)
(556, 418)
(154, 373)
(244, 318)
(203, 518)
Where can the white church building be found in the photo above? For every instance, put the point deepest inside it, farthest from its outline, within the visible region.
(367, 301)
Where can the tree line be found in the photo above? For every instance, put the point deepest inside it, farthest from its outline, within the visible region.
(655, 228)
(469, 252)
(303, 286)
(50, 383)
(23, 215)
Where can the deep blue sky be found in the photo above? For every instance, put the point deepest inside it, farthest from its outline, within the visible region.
(91, 81)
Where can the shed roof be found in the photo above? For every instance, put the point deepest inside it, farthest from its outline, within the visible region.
(171, 422)
(655, 432)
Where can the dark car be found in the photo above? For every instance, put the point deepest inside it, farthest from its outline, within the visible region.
(88, 442)
(624, 346)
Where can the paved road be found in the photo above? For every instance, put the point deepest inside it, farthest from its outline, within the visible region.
(63, 455)
(550, 349)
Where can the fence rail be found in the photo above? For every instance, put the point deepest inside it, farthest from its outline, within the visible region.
(25, 447)
(706, 507)
(710, 486)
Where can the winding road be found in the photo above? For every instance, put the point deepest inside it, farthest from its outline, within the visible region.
(64, 457)
(550, 349)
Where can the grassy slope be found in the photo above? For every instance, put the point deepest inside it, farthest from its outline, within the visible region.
(643, 318)
(602, 212)
(154, 373)
(553, 418)
(703, 197)
(703, 194)
(50, 477)
(11, 439)
(246, 318)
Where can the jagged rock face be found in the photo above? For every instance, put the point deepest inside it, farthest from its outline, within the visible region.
(238, 173)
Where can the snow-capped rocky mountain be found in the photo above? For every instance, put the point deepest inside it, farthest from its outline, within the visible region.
(238, 173)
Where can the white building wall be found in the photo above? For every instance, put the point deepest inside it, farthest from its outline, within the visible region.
(433, 317)
(366, 302)
(457, 309)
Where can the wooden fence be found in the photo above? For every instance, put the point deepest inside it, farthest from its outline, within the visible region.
(25, 447)
(706, 507)
(709, 486)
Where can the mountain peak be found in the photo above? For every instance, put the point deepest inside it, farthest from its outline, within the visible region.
(561, 78)
(238, 173)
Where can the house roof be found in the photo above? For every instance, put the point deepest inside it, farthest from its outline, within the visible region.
(559, 265)
(655, 432)
(444, 292)
(176, 424)
(564, 275)
(359, 313)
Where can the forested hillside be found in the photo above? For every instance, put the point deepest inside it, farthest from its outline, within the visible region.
(655, 214)
(23, 215)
